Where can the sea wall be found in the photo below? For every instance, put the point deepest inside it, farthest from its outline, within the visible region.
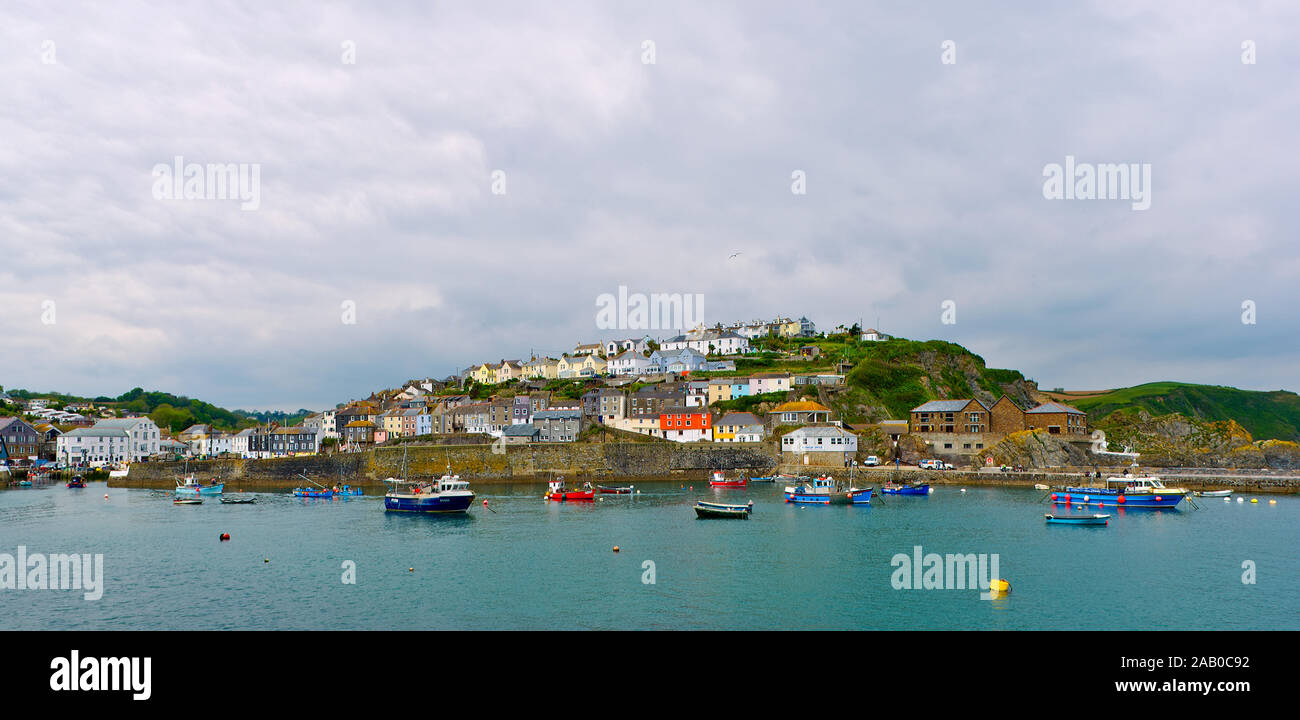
(477, 463)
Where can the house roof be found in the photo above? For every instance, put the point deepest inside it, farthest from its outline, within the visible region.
(740, 418)
(819, 431)
(98, 431)
(946, 406)
(519, 431)
(1055, 407)
(801, 406)
(563, 414)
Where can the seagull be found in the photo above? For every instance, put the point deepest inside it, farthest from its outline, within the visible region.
(733, 255)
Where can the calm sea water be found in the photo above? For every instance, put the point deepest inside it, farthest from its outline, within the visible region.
(535, 564)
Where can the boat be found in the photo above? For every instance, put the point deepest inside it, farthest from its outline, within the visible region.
(76, 482)
(190, 486)
(120, 471)
(1094, 519)
(557, 492)
(1040, 486)
(24, 483)
(449, 494)
(719, 479)
(228, 500)
(915, 488)
(824, 490)
(320, 491)
(723, 510)
(1129, 491)
(606, 490)
(346, 490)
(187, 500)
(1212, 493)
(764, 479)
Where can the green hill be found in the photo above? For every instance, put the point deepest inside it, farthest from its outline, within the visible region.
(1264, 414)
(173, 412)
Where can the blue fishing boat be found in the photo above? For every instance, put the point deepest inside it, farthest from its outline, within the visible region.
(1129, 491)
(307, 492)
(824, 490)
(449, 494)
(1094, 519)
(346, 490)
(76, 482)
(915, 488)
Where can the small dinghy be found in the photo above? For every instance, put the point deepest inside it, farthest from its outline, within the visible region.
(228, 500)
(723, 510)
(1095, 519)
(606, 490)
(181, 500)
(1212, 493)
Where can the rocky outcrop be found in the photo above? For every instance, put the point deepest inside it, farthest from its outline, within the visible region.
(1037, 449)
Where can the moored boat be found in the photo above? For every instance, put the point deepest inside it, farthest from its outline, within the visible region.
(192, 487)
(346, 490)
(1094, 519)
(723, 510)
(187, 500)
(228, 500)
(309, 492)
(1126, 492)
(719, 479)
(1212, 493)
(449, 494)
(824, 490)
(555, 490)
(76, 482)
(916, 488)
(606, 490)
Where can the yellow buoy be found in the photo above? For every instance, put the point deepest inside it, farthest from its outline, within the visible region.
(1254, 500)
(1272, 502)
(999, 587)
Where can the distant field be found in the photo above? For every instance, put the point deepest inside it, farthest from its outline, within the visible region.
(1271, 414)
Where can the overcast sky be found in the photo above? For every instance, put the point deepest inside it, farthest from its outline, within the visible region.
(640, 144)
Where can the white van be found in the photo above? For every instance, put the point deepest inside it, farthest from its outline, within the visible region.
(872, 460)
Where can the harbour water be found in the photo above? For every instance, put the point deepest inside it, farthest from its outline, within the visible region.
(531, 564)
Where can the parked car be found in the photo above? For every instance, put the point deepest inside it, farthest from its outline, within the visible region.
(872, 460)
(947, 466)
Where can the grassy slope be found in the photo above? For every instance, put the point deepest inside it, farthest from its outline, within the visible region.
(1265, 415)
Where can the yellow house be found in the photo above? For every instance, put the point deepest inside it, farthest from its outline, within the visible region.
(590, 365)
(788, 328)
(567, 366)
(392, 422)
(719, 390)
(543, 367)
(485, 374)
(509, 370)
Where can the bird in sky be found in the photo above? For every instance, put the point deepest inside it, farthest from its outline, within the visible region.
(733, 255)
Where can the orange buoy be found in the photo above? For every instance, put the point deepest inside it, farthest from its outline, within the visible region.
(615, 548)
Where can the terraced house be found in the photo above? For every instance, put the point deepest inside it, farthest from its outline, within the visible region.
(19, 440)
(1057, 419)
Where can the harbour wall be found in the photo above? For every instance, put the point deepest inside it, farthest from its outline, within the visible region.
(476, 463)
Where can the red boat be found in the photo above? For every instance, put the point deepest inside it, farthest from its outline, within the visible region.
(606, 490)
(557, 492)
(720, 480)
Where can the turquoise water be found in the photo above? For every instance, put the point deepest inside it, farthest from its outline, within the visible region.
(534, 564)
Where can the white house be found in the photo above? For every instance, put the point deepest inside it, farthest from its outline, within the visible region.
(239, 442)
(706, 341)
(873, 335)
(629, 362)
(614, 347)
(820, 439)
(145, 438)
(769, 382)
(324, 423)
(94, 445)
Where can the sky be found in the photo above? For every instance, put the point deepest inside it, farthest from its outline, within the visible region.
(443, 184)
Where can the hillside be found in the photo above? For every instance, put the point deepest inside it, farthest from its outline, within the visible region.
(169, 411)
(1274, 414)
(890, 378)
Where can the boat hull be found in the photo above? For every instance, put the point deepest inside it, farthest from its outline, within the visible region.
(739, 513)
(1102, 497)
(727, 484)
(571, 496)
(196, 490)
(1077, 519)
(326, 494)
(614, 490)
(428, 503)
(909, 490)
(1212, 493)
